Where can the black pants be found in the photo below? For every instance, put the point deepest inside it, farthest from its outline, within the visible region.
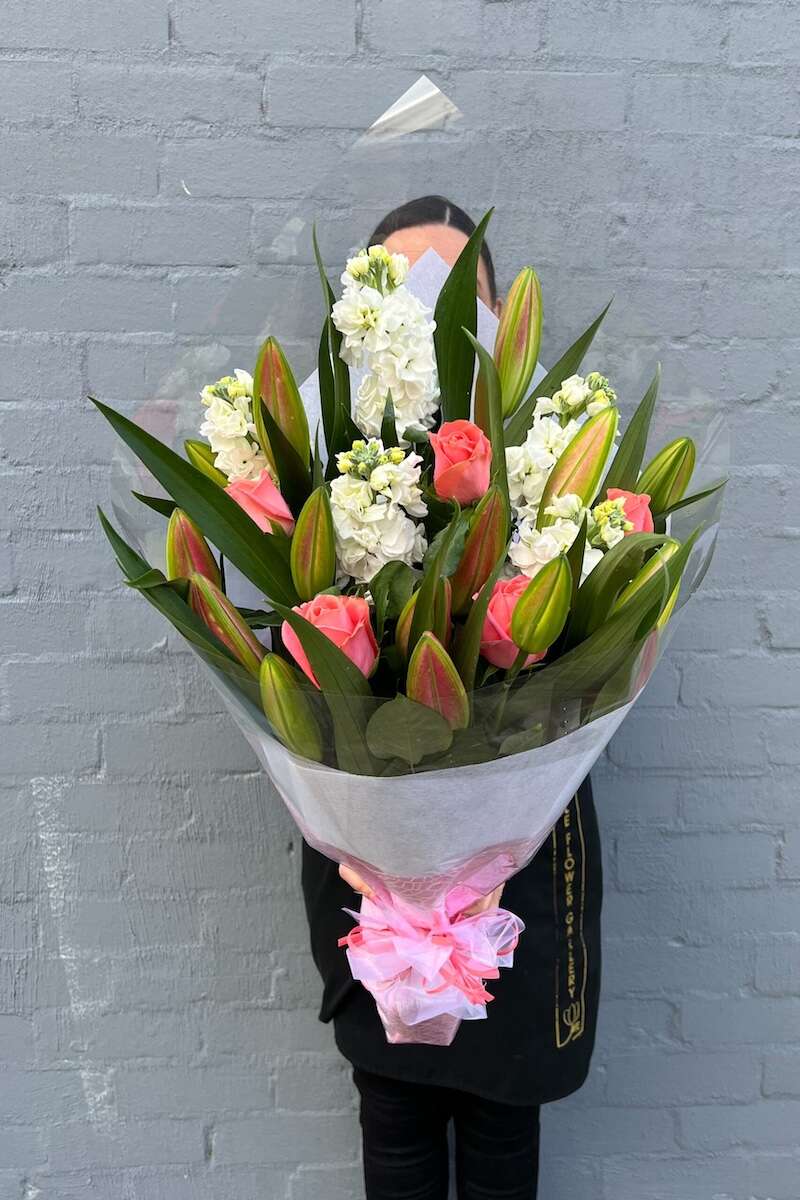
(404, 1128)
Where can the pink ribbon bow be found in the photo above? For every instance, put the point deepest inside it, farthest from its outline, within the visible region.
(420, 964)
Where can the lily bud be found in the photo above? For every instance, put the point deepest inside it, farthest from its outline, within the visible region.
(433, 680)
(541, 611)
(274, 384)
(666, 478)
(201, 455)
(653, 565)
(579, 469)
(442, 613)
(313, 552)
(187, 550)
(516, 347)
(486, 538)
(288, 708)
(226, 622)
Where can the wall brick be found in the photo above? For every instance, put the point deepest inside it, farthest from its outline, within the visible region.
(155, 234)
(658, 32)
(36, 91)
(31, 234)
(154, 96)
(83, 164)
(252, 26)
(89, 26)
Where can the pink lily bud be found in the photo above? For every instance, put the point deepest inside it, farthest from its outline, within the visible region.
(434, 681)
(579, 469)
(486, 538)
(275, 385)
(225, 621)
(313, 552)
(516, 347)
(187, 550)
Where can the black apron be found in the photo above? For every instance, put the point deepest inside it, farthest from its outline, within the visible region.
(537, 1040)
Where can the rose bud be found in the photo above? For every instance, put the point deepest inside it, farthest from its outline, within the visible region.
(462, 461)
(577, 472)
(485, 540)
(442, 613)
(541, 611)
(274, 384)
(187, 550)
(201, 455)
(225, 621)
(262, 501)
(313, 552)
(288, 708)
(667, 477)
(516, 347)
(433, 680)
(637, 509)
(343, 619)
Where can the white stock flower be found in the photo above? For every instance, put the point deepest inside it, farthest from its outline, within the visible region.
(229, 428)
(387, 330)
(372, 503)
(529, 465)
(535, 547)
(239, 458)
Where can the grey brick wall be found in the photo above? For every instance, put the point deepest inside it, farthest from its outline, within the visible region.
(157, 1031)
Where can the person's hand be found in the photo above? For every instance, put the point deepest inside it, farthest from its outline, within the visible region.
(359, 885)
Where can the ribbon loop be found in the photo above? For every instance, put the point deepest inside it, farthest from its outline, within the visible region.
(421, 964)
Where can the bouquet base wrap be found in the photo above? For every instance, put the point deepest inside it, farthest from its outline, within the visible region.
(430, 844)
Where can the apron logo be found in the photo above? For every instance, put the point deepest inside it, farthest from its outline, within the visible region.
(571, 963)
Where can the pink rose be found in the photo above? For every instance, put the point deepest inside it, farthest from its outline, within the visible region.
(343, 619)
(262, 501)
(463, 457)
(496, 643)
(637, 509)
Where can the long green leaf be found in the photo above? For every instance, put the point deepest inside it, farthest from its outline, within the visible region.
(425, 607)
(388, 426)
(157, 503)
(626, 463)
(220, 518)
(614, 572)
(294, 476)
(468, 644)
(339, 376)
(171, 605)
(494, 408)
(457, 309)
(517, 428)
(347, 694)
(687, 500)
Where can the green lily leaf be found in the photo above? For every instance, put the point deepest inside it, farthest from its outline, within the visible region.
(626, 464)
(447, 542)
(517, 428)
(221, 519)
(157, 503)
(388, 427)
(391, 590)
(294, 477)
(201, 455)
(408, 731)
(468, 643)
(457, 309)
(494, 411)
(346, 691)
(687, 500)
(599, 591)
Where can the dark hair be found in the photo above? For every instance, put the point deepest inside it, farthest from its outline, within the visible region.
(433, 210)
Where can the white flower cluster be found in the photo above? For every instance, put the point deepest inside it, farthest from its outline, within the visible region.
(535, 547)
(372, 503)
(529, 465)
(578, 395)
(387, 330)
(608, 523)
(229, 427)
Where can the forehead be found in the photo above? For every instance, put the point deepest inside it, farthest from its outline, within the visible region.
(444, 239)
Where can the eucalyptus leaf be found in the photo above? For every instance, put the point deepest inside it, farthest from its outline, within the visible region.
(406, 730)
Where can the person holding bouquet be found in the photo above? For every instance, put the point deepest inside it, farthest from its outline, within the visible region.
(537, 1046)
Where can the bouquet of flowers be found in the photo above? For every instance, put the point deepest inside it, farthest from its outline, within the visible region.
(465, 573)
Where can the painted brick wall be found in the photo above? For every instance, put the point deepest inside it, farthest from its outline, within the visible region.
(157, 1030)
